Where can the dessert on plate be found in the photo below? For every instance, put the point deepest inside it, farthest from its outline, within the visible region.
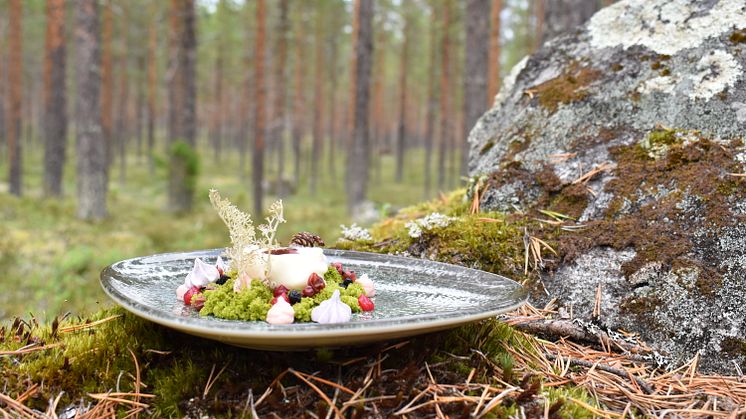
(273, 283)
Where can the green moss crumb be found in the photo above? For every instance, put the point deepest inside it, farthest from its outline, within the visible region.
(249, 304)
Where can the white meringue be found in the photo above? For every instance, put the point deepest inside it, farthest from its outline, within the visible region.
(332, 310)
(367, 284)
(293, 269)
(180, 291)
(202, 274)
(281, 313)
(221, 265)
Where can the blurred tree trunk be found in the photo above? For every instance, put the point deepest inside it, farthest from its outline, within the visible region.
(299, 101)
(494, 80)
(561, 16)
(378, 121)
(476, 70)
(279, 125)
(538, 24)
(174, 74)
(358, 156)
(257, 169)
(3, 85)
(216, 123)
(55, 100)
(182, 107)
(122, 127)
(244, 113)
(15, 92)
(140, 102)
(90, 144)
(445, 77)
(152, 80)
(332, 76)
(431, 105)
(401, 140)
(107, 82)
(318, 94)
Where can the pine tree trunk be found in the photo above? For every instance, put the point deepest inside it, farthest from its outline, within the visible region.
(538, 23)
(107, 82)
(90, 144)
(152, 79)
(182, 108)
(15, 92)
(493, 81)
(175, 74)
(332, 76)
(318, 91)
(475, 70)
(216, 135)
(561, 16)
(358, 156)
(257, 169)
(55, 100)
(299, 98)
(431, 105)
(189, 66)
(279, 126)
(401, 140)
(122, 130)
(3, 84)
(140, 103)
(445, 78)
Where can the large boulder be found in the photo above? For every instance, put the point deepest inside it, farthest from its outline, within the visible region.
(632, 125)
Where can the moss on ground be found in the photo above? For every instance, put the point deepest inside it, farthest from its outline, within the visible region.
(101, 357)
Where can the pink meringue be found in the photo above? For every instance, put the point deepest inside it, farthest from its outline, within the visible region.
(243, 281)
(202, 274)
(367, 284)
(332, 310)
(281, 313)
(180, 291)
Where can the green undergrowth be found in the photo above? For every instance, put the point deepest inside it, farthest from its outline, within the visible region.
(490, 241)
(175, 367)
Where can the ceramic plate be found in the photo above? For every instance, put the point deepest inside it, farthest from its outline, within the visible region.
(414, 296)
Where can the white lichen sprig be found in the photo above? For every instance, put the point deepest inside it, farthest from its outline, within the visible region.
(269, 230)
(247, 249)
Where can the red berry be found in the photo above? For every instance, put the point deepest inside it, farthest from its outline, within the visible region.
(316, 282)
(365, 303)
(308, 291)
(189, 294)
(349, 274)
(283, 295)
(338, 267)
(198, 301)
(280, 290)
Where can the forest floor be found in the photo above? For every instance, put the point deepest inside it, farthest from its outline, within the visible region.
(111, 363)
(50, 260)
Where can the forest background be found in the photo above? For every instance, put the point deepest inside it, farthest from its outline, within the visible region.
(117, 116)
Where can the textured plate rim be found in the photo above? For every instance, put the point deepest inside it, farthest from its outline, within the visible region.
(228, 329)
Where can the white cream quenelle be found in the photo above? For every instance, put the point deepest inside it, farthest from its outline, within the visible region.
(290, 269)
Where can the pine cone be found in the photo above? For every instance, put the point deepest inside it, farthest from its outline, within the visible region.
(306, 239)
